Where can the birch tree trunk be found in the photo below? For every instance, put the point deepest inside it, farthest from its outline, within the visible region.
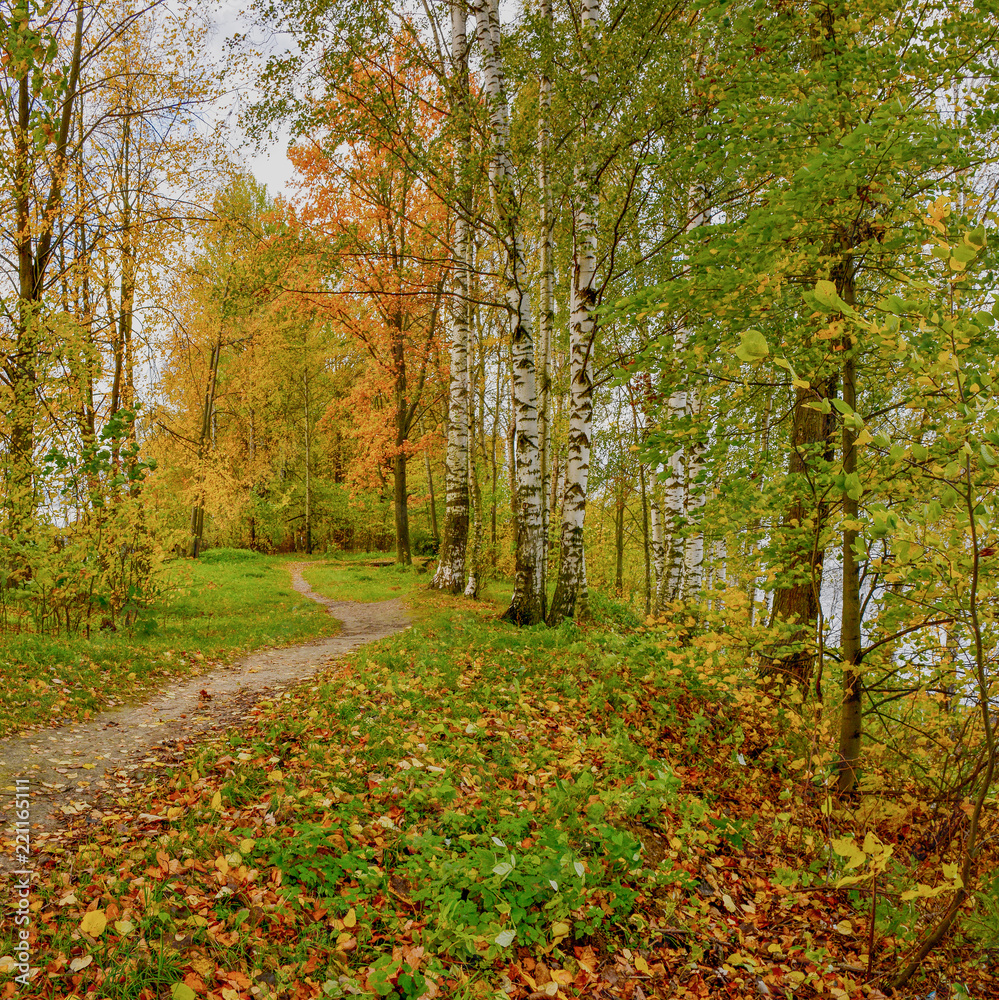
(670, 581)
(546, 313)
(475, 493)
(851, 714)
(450, 573)
(684, 497)
(582, 330)
(527, 606)
(659, 550)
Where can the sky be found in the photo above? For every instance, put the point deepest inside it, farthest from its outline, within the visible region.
(271, 165)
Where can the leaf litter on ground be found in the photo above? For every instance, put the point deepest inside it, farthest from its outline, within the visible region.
(467, 808)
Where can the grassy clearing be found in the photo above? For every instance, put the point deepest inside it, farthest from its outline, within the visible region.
(362, 578)
(226, 603)
(475, 810)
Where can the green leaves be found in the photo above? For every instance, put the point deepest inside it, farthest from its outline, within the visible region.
(753, 347)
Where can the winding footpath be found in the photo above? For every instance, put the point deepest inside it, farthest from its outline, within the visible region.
(71, 768)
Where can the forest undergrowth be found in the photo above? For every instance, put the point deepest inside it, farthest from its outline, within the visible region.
(471, 809)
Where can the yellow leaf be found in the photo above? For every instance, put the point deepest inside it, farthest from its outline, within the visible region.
(93, 923)
(351, 919)
(181, 991)
(222, 864)
(8, 964)
(229, 994)
(845, 927)
(246, 846)
(175, 812)
(80, 963)
(641, 965)
(847, 848)
(951, 872)
(729, 905)
(124, 927)
(560, 929)
(872, 844)
(203, 967)
(194, 776)
(276, 776)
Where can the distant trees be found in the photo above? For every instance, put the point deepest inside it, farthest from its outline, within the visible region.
(97, 154)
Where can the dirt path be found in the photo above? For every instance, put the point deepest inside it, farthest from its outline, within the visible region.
(71, 768)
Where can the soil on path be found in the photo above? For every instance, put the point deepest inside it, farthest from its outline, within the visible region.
(72, 768)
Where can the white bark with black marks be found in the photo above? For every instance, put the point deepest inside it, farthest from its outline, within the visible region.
(527, 606)
(571, 584)
(450, 573)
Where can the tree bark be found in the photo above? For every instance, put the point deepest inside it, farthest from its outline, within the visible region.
(33, 257)
(619, 544)
(403, 553)
(659, 550)
(546, 312)
(527, 606)
(583, 328)
(450, 573)
(798, 600)
(851, 717)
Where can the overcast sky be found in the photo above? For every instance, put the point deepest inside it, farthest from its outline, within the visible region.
(271, 165)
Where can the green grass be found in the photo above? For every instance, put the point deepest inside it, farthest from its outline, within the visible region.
(226, 603)
(361, 578)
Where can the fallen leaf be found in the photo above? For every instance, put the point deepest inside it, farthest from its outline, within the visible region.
(93, 923)
(83, 961)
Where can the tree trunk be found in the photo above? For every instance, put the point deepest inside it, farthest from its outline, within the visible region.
(308, 468)
(403, 554)
(582, 332)
(527, 606)
(450, 573)
(33, 257)
(645, 537)
(430, 487)
(851, 718)
(659, 551)
(546, 312)
(402, 549)
(798, 600)
(198, 511)
(475, 548)
(619, 544)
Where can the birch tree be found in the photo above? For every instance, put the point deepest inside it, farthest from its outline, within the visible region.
(527, 606)
(583, 327)
(450, 573)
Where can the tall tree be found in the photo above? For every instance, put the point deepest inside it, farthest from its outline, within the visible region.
(583, 327)
(450, 572)
(527, 606)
